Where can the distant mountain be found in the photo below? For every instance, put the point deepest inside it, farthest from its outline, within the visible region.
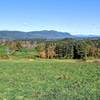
(49, 35)
(87, 36)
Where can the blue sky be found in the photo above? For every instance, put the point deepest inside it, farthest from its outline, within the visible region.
(73, 16)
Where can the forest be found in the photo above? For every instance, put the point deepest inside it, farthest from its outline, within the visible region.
(58, 49)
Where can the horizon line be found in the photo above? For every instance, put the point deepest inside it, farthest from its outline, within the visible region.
(72, 33)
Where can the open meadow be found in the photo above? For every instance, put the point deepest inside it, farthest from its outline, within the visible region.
(49, 80)
(50, 50)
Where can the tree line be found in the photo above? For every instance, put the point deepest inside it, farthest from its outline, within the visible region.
(60, 49)
(70, 49)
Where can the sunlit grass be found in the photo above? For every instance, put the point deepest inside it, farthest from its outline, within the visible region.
(49, 80)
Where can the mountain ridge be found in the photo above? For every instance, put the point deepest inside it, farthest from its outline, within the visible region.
(44, 34)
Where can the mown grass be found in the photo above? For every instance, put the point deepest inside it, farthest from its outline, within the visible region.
(49, 80)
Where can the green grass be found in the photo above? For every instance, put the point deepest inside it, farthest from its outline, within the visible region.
(49, 80)
(26, 53)
(23, 53)
(3, 50)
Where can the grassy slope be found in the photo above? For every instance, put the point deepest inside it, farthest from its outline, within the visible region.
(49, 80)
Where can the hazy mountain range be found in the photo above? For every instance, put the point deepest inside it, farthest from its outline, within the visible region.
(49, 35)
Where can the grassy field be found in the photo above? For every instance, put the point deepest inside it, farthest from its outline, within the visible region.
(49, 80)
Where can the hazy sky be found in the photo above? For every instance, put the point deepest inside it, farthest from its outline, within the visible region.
(73, 16)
